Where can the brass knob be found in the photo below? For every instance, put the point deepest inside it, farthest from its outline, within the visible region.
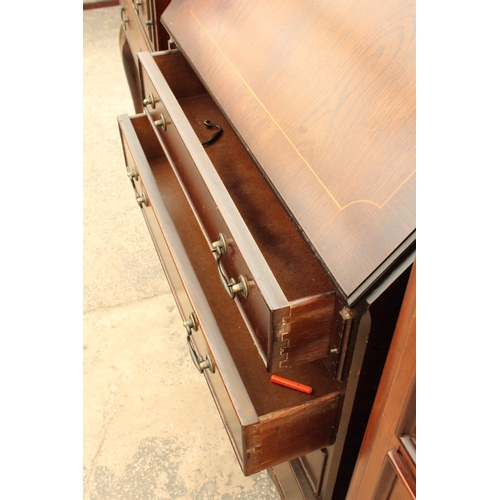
(242, 286)
(191, 323)
(161, 123)
(149, 100)
(132, 174)
(207, 363)
(142, 200)
(221, 245)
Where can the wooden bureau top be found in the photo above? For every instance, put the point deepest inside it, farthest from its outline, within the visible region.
(323, 95)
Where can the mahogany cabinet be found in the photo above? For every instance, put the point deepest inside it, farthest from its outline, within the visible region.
(273, 158)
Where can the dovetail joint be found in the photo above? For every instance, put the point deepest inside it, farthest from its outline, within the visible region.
(255, 450)
(284, 345)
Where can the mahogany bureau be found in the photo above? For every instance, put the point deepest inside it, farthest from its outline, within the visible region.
(273, 158)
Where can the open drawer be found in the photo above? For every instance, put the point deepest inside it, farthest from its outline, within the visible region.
(263, 262)
(267, 424)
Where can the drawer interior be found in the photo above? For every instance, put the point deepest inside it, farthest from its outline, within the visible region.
(291, 260)
(265, 396)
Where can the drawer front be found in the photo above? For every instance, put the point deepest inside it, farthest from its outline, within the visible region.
(250, 406)
(181, 276)
(290, 316)
(143, 198)
(257, 308)
(135, 34)
(145, 12)
(314, 465)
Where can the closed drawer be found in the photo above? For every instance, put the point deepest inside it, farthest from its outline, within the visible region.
(267, 424)
(134, 31)
(264, 263)
(144, 10)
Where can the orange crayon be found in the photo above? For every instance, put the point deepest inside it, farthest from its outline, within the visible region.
(276, 379)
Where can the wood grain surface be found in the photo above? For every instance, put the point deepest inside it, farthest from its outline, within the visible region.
(252, 408)
(290, 307)
(323, 94)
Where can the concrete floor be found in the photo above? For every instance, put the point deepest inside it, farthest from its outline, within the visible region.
(151, 429)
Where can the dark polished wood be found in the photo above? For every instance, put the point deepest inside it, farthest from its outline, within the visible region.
(386, 466)
(132, 41)
(328, 113)
(146, 15)
(131, 71)
(251, 407)
(141, 30)
(313, 184)
(133, 29)
(291, 307)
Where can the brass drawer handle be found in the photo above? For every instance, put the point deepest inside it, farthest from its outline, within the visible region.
(124, 20)
(231, 287)
(141, 199)
(200, 363)
(215, 136)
